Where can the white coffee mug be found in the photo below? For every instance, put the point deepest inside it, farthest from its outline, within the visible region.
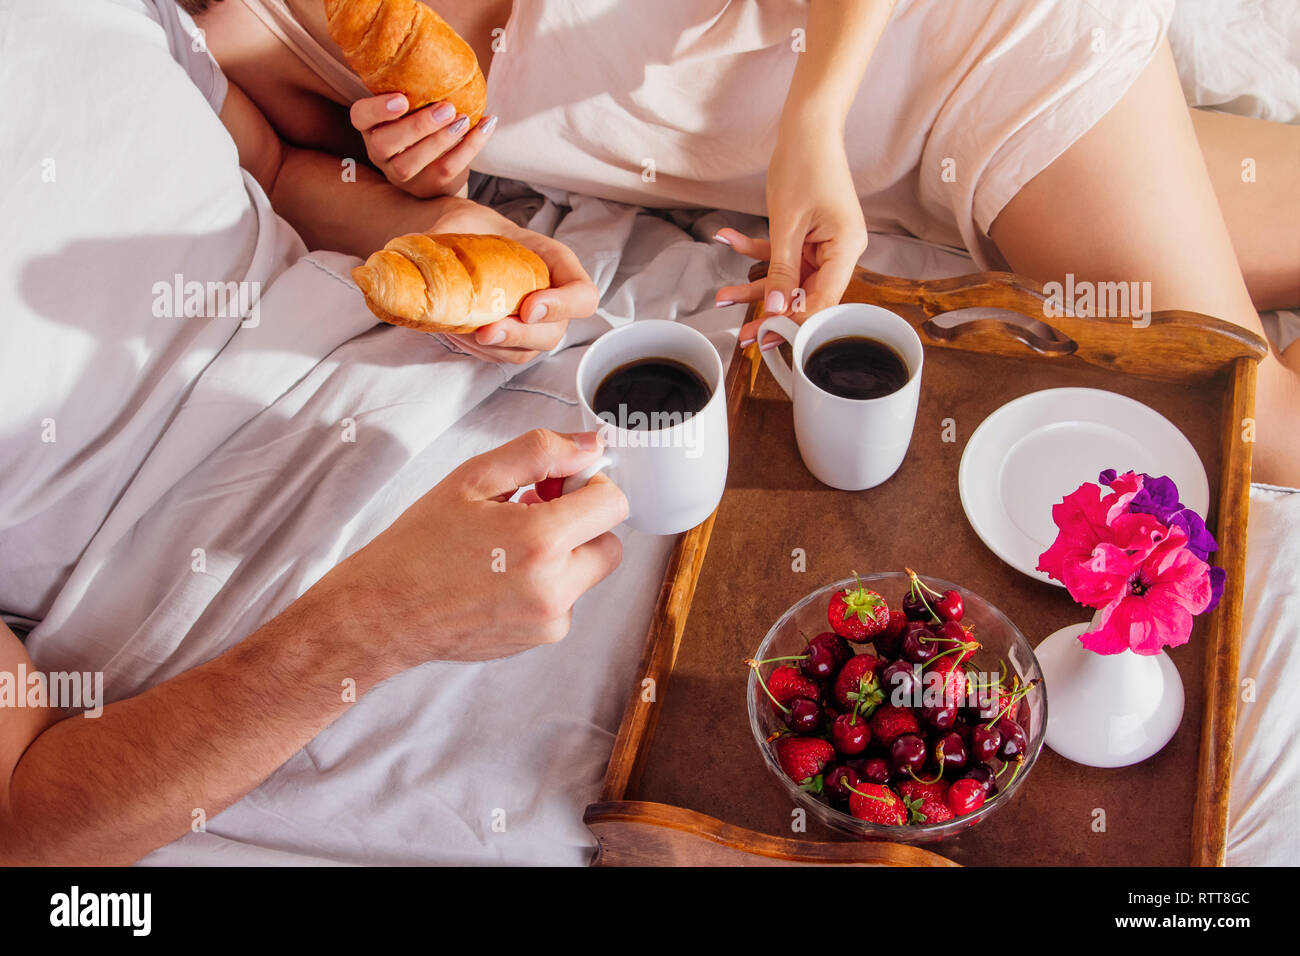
(674, 475)
(848, 443)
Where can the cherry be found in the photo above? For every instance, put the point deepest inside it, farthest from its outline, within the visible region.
(875, 770)
(819, 663)
(901, 683)
(1015, 743)
(950, 753)
(850, 734)
(914, 607)
(965, 796)
(985, 742)
(832, 642)
(908, 751)
(983, 774)
(804, 716)
(919, 643)
(888, 644)
(948, 606)
(939, 716)
(839, 782)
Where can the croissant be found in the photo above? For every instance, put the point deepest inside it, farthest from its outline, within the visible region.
(404, 46)
(452, 282)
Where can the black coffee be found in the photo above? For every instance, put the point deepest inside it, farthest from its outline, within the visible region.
(650, 393)
(856, 367)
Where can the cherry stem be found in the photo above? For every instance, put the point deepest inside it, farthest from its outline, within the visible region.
(923, 585)
(753, 664)
(912, 773)
(849, 786)
(773, 660)
(961, 647)
(1017, 695)
(1019, 762)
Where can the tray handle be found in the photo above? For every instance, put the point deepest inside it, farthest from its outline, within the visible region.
(640, 833)
(1171, 345)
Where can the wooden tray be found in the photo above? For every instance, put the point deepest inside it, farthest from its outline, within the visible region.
(686, 783)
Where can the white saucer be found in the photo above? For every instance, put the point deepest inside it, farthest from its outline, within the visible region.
(1035, 450)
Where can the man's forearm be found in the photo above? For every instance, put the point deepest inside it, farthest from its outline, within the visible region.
(107, 791)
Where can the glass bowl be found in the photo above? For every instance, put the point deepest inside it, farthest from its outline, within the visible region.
(1002, 646)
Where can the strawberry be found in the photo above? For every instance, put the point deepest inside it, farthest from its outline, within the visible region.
(857, 614)
(787, 683)
(856, 685)
(932, 810)
(915, 789)
(952, 678)
(876, 803)
(926, 800)
(803, 759)
(891, 722)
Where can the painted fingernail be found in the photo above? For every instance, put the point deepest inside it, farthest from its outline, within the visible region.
(488, 125)
(775, 301)
(769, 344)
(396, 104)
(535, 312)
(747, 340)
(442, 113)
(458, 127)
(495, 337)
(722, 239)
(723, 303)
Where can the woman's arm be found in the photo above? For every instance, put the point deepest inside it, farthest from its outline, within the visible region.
(816, 224)
(359, 212)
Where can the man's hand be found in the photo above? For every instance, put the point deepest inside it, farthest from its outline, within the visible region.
(543, 315)
(466, 574)
(434, 586)
(426, 152)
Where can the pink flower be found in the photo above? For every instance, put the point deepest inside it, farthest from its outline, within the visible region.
(1156, 606)
(1099, 544)
(1137, 571)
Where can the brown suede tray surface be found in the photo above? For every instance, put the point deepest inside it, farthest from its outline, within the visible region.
(702, 755)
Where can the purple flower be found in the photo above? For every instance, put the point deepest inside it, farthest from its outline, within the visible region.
(1159, 498)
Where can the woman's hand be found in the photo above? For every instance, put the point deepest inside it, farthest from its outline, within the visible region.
(425, 153)
(816, 226)
(543, 315)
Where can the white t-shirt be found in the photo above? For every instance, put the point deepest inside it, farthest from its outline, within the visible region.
(97, 351)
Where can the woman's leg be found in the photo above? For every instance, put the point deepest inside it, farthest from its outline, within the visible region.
(1132, 201)
(1254, 167)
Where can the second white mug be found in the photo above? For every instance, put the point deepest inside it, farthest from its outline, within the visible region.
(848, 443)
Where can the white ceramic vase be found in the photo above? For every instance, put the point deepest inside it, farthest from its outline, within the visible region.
(1107, 710)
